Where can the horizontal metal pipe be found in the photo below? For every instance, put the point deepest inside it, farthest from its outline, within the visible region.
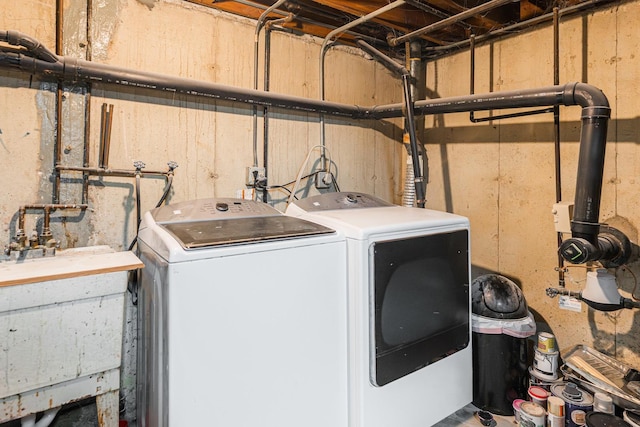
(522, 24)
(79, 70)
(112, 172)
(595, 115)
(546, 96)
(83, 71)
(444, 23)
(392, 65)
(54, 206)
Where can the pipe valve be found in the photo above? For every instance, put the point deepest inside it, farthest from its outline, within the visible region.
(139, 165)
(172, 165)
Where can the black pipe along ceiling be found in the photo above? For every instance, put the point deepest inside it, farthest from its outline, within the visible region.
(443, 26)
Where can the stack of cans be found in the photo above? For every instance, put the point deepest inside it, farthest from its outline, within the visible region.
(564, 406)
(545, 361)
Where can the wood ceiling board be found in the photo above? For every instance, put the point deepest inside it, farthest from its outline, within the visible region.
(235, 8)
(319, 17)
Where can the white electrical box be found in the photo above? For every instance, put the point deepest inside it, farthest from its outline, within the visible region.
(562, 214)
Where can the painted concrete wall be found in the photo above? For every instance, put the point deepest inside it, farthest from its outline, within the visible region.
(501, 173)
(210, 140)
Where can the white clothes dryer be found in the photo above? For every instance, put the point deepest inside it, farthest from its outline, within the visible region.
(409, 305)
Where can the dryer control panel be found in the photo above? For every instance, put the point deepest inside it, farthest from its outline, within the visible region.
(341, 200)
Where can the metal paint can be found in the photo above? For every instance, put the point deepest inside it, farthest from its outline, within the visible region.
(602, 402)
(546, 342)
(531, 415)
(516, 409)
(546, 363)
(555, 412)
(538, 395)
(555, 406)
(555, 421)
(577, 403)
(537, 378)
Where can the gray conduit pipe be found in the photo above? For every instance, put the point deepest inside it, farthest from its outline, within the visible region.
(323, 51)
(418, 91)
(410, 126)
(265, 112)
(528, 23)
(256, 44)
(444, 23)
(595, 116)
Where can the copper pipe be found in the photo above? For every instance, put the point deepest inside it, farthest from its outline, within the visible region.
(106, 123)
(46, 235)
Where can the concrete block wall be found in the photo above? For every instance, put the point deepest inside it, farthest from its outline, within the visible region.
(501, 173)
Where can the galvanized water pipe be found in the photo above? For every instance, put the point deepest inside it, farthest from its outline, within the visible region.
(579, 7)
(323, 51)
(395, 41)
(410, 126)
(256, 44)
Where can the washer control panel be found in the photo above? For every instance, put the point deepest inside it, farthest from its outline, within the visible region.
(211, 209)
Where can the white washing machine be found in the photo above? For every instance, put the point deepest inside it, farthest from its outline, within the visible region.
(410, 357)
(242, 318)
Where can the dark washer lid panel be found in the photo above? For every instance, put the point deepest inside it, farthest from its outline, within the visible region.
(216, 222)
(201, 234)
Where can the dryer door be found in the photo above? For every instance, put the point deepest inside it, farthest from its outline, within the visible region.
(421, 303)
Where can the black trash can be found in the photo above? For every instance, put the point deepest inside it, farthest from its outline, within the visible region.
(501, 324)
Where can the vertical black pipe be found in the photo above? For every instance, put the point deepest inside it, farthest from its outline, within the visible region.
(59, 95)
(411, 129)
(417, 71)
(87, 107)
(556, 129)
(590, 172)
(556, 108)
(265, 112)
(472, 71)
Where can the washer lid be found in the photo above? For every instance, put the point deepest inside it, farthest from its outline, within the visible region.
(203, 234)
(203, 223)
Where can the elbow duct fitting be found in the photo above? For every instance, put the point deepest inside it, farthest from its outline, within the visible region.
(587, 242)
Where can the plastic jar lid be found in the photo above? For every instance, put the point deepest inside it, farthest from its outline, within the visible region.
(600, 419)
